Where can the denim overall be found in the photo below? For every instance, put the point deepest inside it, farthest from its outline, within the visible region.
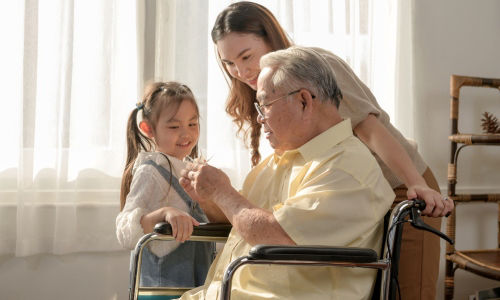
(188, 264)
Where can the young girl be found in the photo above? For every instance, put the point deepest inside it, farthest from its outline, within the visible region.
(161, 131)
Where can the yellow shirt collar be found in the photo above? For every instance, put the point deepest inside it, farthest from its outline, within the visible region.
(325, 140)
(319, 144)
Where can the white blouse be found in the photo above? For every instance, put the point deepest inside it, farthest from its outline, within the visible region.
(149, 191)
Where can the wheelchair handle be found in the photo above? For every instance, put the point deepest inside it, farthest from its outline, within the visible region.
(417, 222)
(204, 229)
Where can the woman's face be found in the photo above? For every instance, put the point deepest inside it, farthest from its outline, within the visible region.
(241, 53)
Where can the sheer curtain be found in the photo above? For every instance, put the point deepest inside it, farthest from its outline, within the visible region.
(69, 79)
(73, 70)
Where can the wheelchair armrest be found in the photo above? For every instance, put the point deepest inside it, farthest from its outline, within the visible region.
(204, 229)
(314, 253)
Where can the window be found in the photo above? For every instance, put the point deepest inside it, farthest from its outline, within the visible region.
(73, 71)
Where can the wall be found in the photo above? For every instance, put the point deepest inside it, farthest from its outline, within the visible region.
(458, 37)
(99, 276)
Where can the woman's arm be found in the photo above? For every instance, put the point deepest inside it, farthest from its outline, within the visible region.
(381, 141)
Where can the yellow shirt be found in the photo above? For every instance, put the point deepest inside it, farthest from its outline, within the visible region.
(330, 191)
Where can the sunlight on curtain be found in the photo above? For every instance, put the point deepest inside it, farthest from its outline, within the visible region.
(178, 42)
(72, 69)
(11, 72)
(362, 32)
(404, 107)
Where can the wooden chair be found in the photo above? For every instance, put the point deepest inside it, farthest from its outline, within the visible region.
(484, 262)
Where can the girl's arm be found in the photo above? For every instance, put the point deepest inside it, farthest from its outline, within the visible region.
(381, 141)
(182, 223)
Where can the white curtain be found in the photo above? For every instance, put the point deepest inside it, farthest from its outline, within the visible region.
(72, 71)
(405, 106)
(69, 78)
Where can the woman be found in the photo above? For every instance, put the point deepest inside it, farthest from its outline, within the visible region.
(245, 31)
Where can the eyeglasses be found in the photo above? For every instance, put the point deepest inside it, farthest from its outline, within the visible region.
(260, 108)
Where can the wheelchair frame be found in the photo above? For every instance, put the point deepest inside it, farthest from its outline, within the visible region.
(388, 264)
(212, 232)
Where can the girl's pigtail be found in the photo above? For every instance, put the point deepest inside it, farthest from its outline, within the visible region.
(136, 141)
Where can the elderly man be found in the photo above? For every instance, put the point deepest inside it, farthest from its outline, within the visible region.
(320, 187)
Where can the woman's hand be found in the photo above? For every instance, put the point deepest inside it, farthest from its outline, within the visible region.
(435, 204)
(182, 223)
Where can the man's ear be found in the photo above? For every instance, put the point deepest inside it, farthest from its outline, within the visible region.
(144, 126)
(307, 102)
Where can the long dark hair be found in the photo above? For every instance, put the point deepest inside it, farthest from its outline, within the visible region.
(157, 96)
(247, 17)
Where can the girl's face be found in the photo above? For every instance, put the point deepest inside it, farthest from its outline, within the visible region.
(176, 135)
(241, 53)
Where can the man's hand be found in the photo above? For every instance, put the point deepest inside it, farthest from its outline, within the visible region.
(201, 181)
(185, 182)
(435, 204)
(204, 182)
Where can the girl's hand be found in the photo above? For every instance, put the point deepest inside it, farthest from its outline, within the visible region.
(182, 223)
(435, 204)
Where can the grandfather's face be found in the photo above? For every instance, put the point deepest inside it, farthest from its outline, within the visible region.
(282, 114)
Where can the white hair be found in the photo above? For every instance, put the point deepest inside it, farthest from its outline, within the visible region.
(302, 67)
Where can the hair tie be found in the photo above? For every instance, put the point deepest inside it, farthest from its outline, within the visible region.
(139, 106)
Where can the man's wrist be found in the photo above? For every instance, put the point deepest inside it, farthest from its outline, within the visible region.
(222, 193)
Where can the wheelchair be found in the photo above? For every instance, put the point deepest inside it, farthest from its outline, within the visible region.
(386, 286)
(205, 232)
